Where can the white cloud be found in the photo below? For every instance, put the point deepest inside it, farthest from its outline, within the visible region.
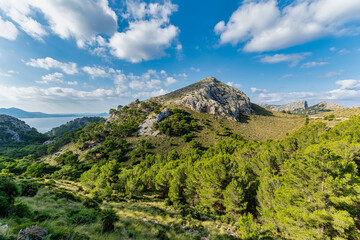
(143, 40)
(258, 90)
(232, 84)
(150, 94)
(179, 47)
(343, 51)
(195, 69)
(348, 89)
(332, 74)
(52, 94)
(263, 26)
(95, 72)
(169, 81)
(50, 63)
(20, 11)
(8, 30)
(82, 20)
(141, 85)
(55, 77)
(286, 76)
(149, 32)
(292, 59)
(313, 64)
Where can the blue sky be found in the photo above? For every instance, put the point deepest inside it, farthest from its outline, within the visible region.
(64, 56)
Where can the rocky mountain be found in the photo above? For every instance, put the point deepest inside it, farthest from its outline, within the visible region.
(292, 107)
(13, 130)
(72, 125)
(211, 96)
(302, 107)
(205, 96)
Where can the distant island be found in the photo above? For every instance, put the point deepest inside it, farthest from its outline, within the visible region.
(19, 113)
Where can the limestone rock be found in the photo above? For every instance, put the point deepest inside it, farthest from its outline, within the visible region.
(12, 126)
(147, 127)
(292, 107)
(32, 233)
(211, 96)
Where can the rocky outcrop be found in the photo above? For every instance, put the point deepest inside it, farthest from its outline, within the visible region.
(32, 233)
(292, 107)
(302, 107)
(147, 127)
(329, 106)
(10, 129)
(211, 96)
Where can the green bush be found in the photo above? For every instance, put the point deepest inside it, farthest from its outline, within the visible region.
(108, 218)
(80, 216)
(21, 210)
(29, 188)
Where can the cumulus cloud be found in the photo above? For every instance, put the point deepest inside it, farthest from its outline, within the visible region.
(8, 30)
(50, 63)
(292, 59)
(258, 90)
(57, 94)
(169, 81)
(232, 84)
(313, 64)
(21, 12)
(149, 94)
(81, 20)
(55, 77)
(149, 32)
(95, 72)
(263, 26)
(349, 89)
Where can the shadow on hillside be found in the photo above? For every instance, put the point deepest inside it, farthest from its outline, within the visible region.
(243, 118)
(261, 111)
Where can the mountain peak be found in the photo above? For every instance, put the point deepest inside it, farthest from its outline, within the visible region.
(211, 96)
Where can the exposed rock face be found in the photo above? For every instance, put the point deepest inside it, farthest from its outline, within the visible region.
(32, 233)
(329, 106)
(10, 128)
(302, 108)
(147, 127)
(292, 107)
(211, 96)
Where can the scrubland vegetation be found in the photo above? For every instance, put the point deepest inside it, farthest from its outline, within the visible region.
(105, 182)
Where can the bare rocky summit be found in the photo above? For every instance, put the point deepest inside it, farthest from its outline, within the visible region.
(329, 106)
(302, 107)
(292, 107)
(211, 96)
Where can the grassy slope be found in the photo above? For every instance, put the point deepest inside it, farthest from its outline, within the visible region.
(145, 218)
(340, 116)
(262, 126)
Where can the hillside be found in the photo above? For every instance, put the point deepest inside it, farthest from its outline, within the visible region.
(72, 125)
(302, 108)
(13, 130)
(290, 107)
(186, 166)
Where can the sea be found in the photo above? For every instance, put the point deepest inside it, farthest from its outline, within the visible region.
(44, 125)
